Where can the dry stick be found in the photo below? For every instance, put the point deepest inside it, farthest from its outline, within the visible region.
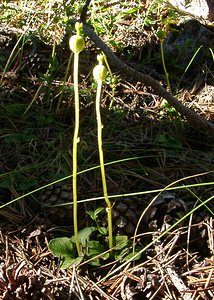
(147, 80)
(85, 10)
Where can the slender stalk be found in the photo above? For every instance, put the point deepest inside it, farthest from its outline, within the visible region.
(75, 142)
(102, 167)
(76, 44)
(164, 66)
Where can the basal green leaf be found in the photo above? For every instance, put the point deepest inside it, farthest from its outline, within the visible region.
(84, 235)
(67, 261)
(96, 248)
(120, 242)
(62, 246)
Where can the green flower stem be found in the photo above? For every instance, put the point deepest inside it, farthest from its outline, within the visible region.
(99, 138)
(75, 142)
(76, 44)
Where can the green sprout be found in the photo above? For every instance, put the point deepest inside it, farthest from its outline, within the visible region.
(100, 73)
(76, 44)
(161, 35)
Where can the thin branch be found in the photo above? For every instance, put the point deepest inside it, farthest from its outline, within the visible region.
(85, 11)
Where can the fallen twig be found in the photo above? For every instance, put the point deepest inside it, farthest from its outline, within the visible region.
(147, 80)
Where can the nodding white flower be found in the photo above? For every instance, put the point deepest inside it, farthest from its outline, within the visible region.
(100, 71)
(77, 42)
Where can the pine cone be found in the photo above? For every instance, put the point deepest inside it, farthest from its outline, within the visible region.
(57, 207)
(125, 213)
(164, 212)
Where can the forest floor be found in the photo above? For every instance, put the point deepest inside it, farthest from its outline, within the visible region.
(154, 155)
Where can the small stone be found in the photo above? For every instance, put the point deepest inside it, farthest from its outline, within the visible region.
(197, 8)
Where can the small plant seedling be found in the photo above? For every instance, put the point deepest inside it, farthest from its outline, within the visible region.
(161, 35)
(94, 215)
(94, 248)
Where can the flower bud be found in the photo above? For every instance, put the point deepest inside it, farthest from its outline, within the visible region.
(78, 27)
(100, 72)
(76, 43)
